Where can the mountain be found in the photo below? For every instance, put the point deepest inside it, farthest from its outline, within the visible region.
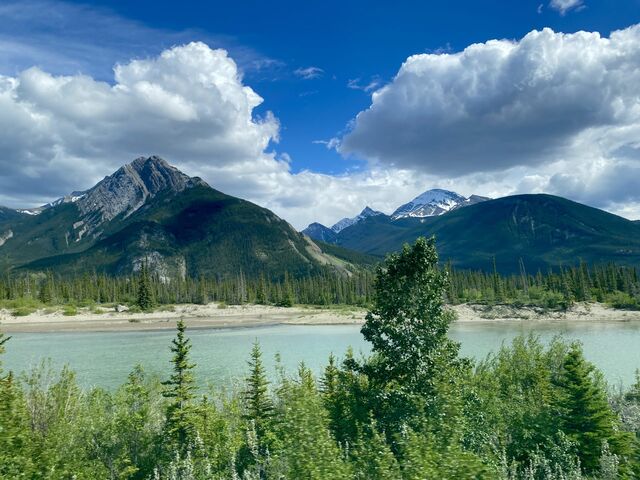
(434, 202)
(430, 203)
(347, 222)
(319, 232)
(149, 211)
(542, 230)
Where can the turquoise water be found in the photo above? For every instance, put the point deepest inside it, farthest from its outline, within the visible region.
(105, 358)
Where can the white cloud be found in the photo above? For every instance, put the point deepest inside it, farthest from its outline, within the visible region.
(569, 122)
(563, 6)
(309, 73)
(549, 104)
(188, 104)
(553, 112)
(331, 144)
(357, 84)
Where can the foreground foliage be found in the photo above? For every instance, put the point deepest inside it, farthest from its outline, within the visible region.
(414, 409)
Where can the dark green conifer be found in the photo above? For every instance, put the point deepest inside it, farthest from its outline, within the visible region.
(257, 402)
(179, 389)
(145, 296)
(585, 415)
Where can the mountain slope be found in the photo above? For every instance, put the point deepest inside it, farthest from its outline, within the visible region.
(543, 230)
(149, 211)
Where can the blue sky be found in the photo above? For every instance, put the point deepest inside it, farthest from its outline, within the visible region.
(316, 66)
(357, 41)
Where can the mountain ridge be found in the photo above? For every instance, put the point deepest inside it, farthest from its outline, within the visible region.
(149, 211)
(429, 203)
(542, 230)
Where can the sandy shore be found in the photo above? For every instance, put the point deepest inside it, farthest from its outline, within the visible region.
(196, 316)
(211, 316)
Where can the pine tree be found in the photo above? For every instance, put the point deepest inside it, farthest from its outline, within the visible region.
(180, 390)
(373, 457)
(585, 415)
(145, 297)
(257, 403)
(14, 439)
(46, 289)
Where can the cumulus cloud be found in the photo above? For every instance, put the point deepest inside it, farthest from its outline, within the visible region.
(563, 6)
(547, 97)
(188, 104)
(309, 73)
(551, 113)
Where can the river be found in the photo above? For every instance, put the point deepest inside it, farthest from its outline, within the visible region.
(105, 359)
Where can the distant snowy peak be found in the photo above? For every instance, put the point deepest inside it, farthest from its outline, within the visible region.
(347, 222)
(433, 203)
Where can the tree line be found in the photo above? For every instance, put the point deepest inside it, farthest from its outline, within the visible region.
(413, 409)
(616, 285)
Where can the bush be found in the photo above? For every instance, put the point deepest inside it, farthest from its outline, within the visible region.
(622, 300)
(23, 311)
(70, 311)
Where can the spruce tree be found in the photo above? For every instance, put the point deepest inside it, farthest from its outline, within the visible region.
(180, 390)
(257, 402)
(585, 415)
(145, 298)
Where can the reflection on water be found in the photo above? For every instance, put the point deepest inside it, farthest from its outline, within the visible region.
(105, 359)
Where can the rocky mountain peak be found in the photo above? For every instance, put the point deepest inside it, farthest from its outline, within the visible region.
(347, 222)
(126, 190)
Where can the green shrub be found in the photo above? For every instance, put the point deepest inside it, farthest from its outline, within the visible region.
(622, 300)
(22, 311)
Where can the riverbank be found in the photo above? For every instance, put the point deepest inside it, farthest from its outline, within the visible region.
(238, 316)
(196, 316)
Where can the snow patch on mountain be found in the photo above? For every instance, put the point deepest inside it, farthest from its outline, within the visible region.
(347, 222)
(434, 202)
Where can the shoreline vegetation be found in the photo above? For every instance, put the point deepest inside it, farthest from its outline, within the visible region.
(220, 315)
(414, 408)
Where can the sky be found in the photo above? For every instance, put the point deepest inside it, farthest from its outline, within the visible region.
(318, 109)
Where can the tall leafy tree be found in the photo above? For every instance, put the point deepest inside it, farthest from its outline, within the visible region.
(179, 389)
(407, 328)
(14, 439)
(407, 325)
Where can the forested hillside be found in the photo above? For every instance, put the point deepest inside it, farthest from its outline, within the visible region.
(542, 231)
